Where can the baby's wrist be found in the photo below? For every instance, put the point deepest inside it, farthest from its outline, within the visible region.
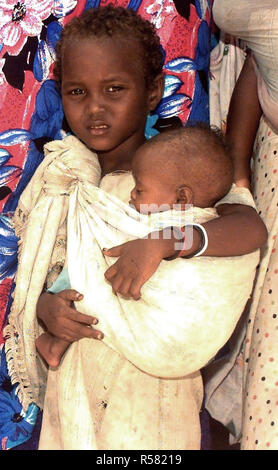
(164, 242)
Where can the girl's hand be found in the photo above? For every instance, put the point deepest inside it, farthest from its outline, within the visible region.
(57, 313)
(138, 260)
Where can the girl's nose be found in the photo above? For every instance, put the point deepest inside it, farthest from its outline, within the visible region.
(95, 105)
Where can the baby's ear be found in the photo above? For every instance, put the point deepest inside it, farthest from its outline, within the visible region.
(185, 195)
(156, 91)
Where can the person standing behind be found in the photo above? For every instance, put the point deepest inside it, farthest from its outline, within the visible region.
(252, 124)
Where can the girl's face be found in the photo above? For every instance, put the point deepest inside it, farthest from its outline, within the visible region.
(105, 98)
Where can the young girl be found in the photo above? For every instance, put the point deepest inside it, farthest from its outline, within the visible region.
(97, 399)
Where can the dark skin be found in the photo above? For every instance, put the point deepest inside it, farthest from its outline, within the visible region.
(243, 122)
(238, 230)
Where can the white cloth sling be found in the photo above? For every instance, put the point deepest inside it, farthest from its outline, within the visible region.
(188, 309)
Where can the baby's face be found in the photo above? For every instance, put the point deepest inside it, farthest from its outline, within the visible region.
(151, 192)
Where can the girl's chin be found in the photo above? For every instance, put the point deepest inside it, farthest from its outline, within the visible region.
(98, 146)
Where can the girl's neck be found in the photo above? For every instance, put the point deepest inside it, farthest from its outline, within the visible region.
(108, 166)
(119, 159)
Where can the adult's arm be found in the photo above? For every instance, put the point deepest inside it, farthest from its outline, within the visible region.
(243, 121)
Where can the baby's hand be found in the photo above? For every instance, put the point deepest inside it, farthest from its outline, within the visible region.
(138, 260)
(58, 314)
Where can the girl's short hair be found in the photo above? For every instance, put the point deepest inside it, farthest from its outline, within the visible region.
(114, 21)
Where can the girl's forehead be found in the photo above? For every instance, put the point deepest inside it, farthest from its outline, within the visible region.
(104, 46)
(103, 56)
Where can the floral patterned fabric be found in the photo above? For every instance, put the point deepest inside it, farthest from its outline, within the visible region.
(31, 115)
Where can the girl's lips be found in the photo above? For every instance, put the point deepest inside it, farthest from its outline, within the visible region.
(98, 129)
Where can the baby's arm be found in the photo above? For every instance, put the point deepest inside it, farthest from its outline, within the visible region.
(138, 260)
(239, 230)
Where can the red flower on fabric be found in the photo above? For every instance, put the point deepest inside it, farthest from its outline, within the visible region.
(21, 19)
(159, 10)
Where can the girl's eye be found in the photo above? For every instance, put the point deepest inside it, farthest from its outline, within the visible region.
(114, 89)
(77, 91)
(138, 191)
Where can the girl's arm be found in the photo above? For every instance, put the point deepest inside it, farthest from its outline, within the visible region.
(238, 231)
(243, 121)
(57, 314)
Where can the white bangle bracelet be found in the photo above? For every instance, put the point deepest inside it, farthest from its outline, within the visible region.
(202, 245)
(203, 241)
(204, 236)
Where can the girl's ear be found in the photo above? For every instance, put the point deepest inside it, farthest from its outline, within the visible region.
(185, 196)
(156, 91)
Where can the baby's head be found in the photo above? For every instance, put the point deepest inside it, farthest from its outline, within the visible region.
(189, 165)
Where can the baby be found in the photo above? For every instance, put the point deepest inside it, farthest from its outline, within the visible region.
(189, 165)
(176, 169)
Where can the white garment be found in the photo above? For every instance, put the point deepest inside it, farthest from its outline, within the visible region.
(99, 398)
(226, 61)
(256, 23)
